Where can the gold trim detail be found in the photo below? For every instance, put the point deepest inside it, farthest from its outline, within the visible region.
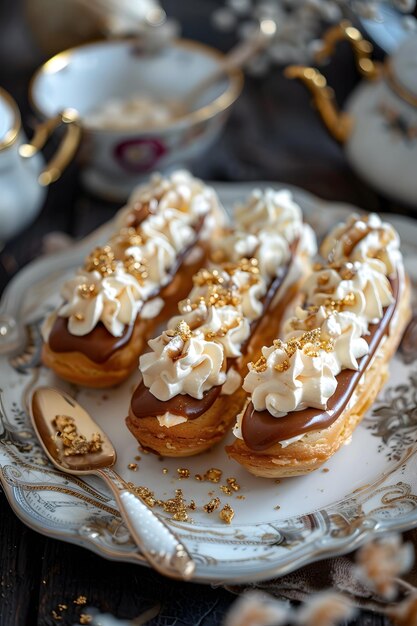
(362, 49)
(11, 135)
(397, 87)
(221, 103)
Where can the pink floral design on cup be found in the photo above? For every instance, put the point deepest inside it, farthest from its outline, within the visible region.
(139, 155)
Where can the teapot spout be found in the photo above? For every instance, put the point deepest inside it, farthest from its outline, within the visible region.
(339, 124)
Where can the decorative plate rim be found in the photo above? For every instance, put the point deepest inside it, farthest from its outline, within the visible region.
(331, 540)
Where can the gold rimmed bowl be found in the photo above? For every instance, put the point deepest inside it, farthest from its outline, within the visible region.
(115, 156)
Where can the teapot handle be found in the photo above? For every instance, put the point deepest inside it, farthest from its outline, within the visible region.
(66, 150)
(362, 49)
(338, 123)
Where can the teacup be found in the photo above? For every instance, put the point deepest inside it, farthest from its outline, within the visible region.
(23, 173)
(115, 159)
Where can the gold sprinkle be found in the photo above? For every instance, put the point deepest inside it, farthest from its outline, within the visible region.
(62, 607)
(182, 330)
(282, 367)
(260, 365)
(85, 618)
(165, 470)
(198, 477)
(223, 330)
(183, 472)
(101, 260)
(226, 490)
(213, 475)
(212, 505)
(138, 458)
(56, 616)
(244, 265)
(138, 269)
(241, 497)
(79, 317)
(277, 481)
(81, 601)
(227, 514)
(87, 291)
(72, 442)
(133, 467)
(207, 277)
(233, 484)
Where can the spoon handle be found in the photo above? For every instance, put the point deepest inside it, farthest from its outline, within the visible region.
(157, 542)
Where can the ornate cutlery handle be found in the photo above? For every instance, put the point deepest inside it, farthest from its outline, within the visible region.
(158, 543)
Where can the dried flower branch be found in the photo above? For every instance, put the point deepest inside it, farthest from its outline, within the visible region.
(380, 562)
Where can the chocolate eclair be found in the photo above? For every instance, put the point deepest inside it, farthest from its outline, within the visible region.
(129, 286)
(191, 387)
(309, 391)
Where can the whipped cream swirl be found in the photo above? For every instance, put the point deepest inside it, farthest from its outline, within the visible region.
(225, 325)
(289, 378)
(90, 298)
(357, 287)
(179, 191)
(271, 210)
(182, 362)
(364, 238)
(343, 329)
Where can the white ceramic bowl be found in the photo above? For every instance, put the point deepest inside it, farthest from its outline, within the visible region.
(114, 160)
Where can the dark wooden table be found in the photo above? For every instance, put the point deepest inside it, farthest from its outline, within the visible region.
(273, 134)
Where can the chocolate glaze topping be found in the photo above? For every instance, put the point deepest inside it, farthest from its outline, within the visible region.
(99, 344)
(144, 403)
(260, 430)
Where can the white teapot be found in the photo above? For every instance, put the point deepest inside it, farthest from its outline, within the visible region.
(379, 127)
(23, 174)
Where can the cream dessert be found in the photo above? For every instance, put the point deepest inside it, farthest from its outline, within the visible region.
(308, 391)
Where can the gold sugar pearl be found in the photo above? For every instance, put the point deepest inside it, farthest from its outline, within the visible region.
(227, 514)
(208, 277)
(212, 505)
(183, 472)
(138, 269)
(260, 365)
(183, 330)
(101, 260)
(282, 367)
(213, 475)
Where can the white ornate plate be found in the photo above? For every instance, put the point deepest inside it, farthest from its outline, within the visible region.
(370, 486)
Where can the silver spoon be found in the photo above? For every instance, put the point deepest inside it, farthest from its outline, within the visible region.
(160, 546)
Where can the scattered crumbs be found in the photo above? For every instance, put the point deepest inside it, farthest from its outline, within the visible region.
(138, 458)
(198, 477)
(277, 507)
(177, 507)
(73, 443)
(212, 505)
(325, 470)
(192, 506)
(183, 472)
(165, 470)
(226, 489)
(277, 481)
(233, 484)
(85, 618)
(240, 497)
(80, 601)
(227, 514)
(133, 467)
(213, 475)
